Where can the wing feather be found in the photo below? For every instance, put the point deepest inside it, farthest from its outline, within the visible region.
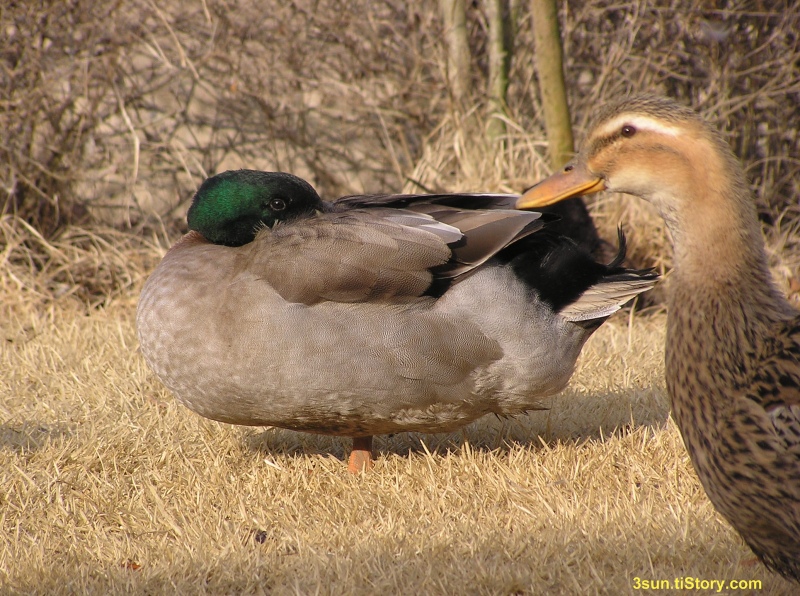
(348, 257)
(380, 253)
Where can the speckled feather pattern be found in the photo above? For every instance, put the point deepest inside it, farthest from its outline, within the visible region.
(743, 435)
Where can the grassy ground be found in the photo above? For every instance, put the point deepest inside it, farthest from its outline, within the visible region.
(108, 486)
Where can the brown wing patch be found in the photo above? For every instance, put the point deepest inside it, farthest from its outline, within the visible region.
(486, 232)
(380, 254)
(345, 257)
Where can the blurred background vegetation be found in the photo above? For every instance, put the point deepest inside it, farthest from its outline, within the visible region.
(113, 111)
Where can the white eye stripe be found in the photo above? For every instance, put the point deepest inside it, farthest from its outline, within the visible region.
(639, 122)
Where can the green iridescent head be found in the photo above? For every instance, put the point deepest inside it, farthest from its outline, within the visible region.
(231, 207)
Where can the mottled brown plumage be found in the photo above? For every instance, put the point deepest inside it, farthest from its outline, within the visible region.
(733, 341)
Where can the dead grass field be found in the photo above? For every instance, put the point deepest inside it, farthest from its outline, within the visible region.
(108, 486)
(112, 116)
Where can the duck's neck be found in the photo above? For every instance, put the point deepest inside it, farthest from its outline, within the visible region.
(721, 288)
(719, 241)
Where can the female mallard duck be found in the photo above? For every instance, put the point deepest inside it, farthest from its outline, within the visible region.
(374, 314)
(733, 341)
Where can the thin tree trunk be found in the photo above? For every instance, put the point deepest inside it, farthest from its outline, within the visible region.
(575, 220)
(454, 16)
(500, 43)
(550, 71)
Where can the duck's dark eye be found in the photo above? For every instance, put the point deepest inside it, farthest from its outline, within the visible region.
(628, 131)
(277, 204)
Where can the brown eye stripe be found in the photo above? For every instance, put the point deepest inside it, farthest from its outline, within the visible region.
(601, 143)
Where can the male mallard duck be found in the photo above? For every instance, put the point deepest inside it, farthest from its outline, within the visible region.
(733, 341)
(374, 314)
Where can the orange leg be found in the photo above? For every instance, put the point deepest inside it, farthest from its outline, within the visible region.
(361, 455)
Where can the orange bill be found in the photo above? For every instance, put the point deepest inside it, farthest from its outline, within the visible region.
(572, 181)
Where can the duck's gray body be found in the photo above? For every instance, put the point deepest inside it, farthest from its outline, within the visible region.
(230, 348)
(328, 324)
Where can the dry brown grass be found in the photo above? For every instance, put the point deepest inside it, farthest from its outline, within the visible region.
(114, 111)
(91, 265)
(108, 486)
(112, 115)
